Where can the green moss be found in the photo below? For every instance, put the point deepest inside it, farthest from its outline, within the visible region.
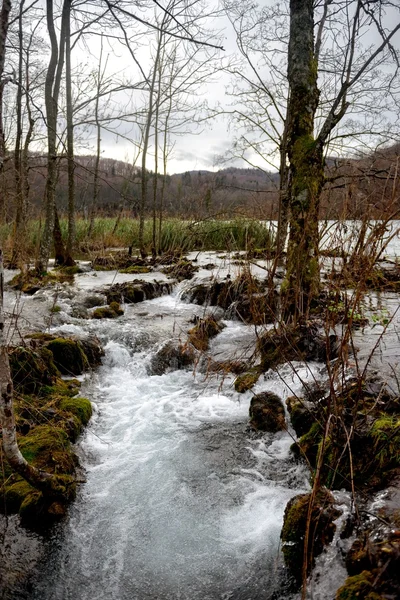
(116, 307)
(69, 356)
(112, 311)
(293, 531)
(30, 369)
(386, 435)
(48, 448)
(246, 381)
(203, 331)
(358, 587)
(80, 407)
(308, 444)
(15, 495)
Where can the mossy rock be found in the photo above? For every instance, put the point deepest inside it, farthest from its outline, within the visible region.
(15, 494)
(172, 356)
(205, 329)
(308, 444)
(183, 269)
(322, 529)
(359, 587)
(267, 412)
(48, 448)
(69, 356)
(246, 381)
(80, 407)
(108, 312)
(32, 369)
(301, 416)
(137, 291)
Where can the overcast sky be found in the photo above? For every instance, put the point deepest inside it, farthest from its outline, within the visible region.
(213, 139)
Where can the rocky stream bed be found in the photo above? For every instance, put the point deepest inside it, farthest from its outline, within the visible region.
(181, 497)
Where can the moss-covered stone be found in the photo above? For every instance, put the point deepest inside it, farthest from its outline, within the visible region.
(137, 291)
(267, 412)
(359, 587)
(205, 329)
(48, 448)
(30, 282)
(108, 312)
(172, 356)
(32, 369)
(183, 269)
(80, 407)
(293, 532)
(136, 269)
(69, 356)
(246, 381)
(301, 416)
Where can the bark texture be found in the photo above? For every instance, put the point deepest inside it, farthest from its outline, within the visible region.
(306, 164)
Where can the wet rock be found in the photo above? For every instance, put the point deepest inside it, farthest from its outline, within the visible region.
(69, 356)
(245, 298)
(322, 528)
(359, 587)
(246, 381)
(184, 269)
(137, 291)
(205, 329)
(172, 356)
(93, 350)
(267, 412)
(303, 342)
(32, 369)
(108, 312)
(92, 301)
(301, 415)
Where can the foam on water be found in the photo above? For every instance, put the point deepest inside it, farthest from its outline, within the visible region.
(182, 500)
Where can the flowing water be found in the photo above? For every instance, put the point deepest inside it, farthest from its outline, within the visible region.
(182, 500)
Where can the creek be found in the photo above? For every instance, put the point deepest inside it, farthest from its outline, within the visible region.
(181, 500)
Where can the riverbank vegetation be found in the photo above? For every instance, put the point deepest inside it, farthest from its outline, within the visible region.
(313, 298)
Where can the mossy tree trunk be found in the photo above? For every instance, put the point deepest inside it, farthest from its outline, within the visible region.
(306, 165)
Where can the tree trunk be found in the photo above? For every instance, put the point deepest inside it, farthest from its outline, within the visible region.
(18, 238)
(306, 166)
(51, 92)
(4, 21)
(69, 261)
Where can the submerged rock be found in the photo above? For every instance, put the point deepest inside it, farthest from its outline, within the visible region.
(267, 412)
(172, 356)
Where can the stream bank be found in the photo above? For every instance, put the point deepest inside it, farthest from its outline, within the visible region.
(182, 498)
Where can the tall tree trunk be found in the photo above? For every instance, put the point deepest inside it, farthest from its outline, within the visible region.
(306, 170)
(4, 22)
(18, 238)
(51, 92)
(69, 261)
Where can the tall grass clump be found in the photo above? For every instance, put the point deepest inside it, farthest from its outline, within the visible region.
(219, 235)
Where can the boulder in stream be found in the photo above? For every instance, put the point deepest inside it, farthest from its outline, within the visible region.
(137, 291)
(172, 356)
(267, 412)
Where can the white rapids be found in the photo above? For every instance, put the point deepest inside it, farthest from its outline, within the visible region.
(182, 501)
